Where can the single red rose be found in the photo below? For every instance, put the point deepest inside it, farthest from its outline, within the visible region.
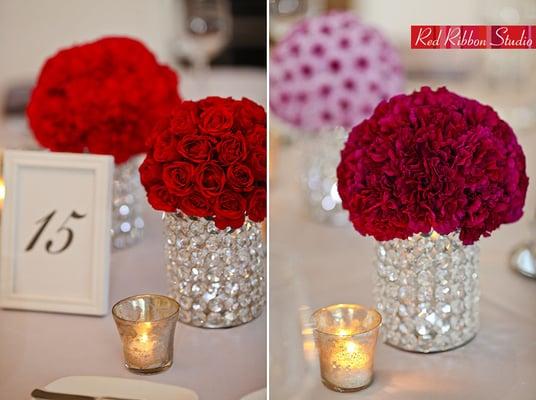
(257, 137)
(257, 162)
(184, 118)
(196, 205)
(257, 205)
(196, 148)
(230, 209)
(161, 199)
(240, 178)
(210, 178)
(216, 120)
(150, 172)
(178, 177)
(215, 101)
(248, 114)
(231, 148)
(165, 147)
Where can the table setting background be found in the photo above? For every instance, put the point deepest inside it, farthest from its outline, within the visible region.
(38, 348)
(311, 264)
(314, 264)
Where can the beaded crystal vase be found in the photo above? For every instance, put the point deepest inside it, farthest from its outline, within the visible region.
(128, 198)
(217, 276)
(427, 292)
(322, 154)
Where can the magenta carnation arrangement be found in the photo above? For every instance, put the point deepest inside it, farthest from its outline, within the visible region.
(432, 160)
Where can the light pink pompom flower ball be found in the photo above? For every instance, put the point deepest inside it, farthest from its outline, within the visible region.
(332, 70)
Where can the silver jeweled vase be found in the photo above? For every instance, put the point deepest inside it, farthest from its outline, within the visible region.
(427, 292)
(217, 276)
(128, 198)
(322, 155)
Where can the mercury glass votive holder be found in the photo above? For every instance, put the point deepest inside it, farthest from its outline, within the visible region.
(345, 337)
(146, 325)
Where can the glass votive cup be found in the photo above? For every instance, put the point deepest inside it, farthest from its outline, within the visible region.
(146, 325)
(345, 337)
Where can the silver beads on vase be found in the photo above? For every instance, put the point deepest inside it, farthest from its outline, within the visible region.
(217, 276)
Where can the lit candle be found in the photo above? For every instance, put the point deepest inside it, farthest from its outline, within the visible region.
(2, 193)
(146, 324)
(140, 351)
(345, 337)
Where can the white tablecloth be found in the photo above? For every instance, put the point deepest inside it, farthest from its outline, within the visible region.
(314, 265)
(224, 364)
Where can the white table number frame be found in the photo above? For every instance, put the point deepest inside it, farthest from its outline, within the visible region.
(56, 232)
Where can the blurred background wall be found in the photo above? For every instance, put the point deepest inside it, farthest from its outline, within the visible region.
(32, 30)
(506, 75)
(222, 32)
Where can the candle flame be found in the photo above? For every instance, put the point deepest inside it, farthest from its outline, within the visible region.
(144, 331)
(351, 347)
(351, 355)
(307, 331)
(2, 190)
(144, 338)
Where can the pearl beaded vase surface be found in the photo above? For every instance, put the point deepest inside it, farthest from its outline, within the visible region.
(128, 198)
(427, 292)
(217, 276)
(322, 155)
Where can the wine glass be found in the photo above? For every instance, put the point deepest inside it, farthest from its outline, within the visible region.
(206, 30)
(285, 13)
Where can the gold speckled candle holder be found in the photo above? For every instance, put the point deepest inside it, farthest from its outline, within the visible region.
(146, 324)
(345, 337)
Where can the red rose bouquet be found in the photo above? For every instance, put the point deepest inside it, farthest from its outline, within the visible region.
(208, 159)
(102, 97)
(432, 160)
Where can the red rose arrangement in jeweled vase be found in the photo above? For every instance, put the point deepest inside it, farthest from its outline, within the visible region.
(104, 97)
(427, 175)
(206, 169)
(326, 75)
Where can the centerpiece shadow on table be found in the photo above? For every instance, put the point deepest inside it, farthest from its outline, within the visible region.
(417, 374)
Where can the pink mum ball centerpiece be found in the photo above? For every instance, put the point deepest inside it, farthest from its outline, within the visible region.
(331, 71)
(206, 169)
(427, 175)
(326, 75)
